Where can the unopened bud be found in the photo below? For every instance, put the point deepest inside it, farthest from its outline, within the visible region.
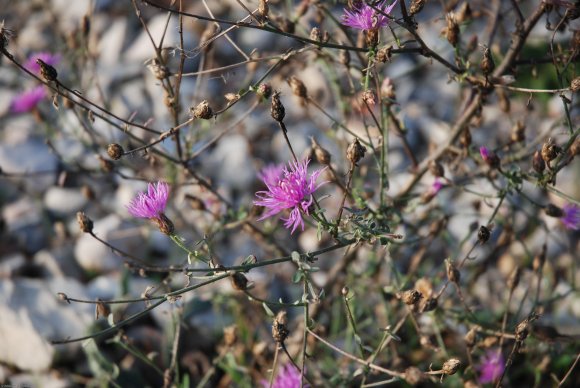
(115, 151)
(504, 101)
(538, 163)
(471, 337)
(164, 224)
(355, 152)
(483, 234)
(279, 330)
(416, 7)
(157, 69)
(298, 87)
(388, 89)
(264, 91)
(487, 64)
(554, 211)
(277, 109)
(345, 290)
(453, 273)
(202, 111)
(239, 281)
(48, 72)
(452, 29)
(322, 155)
(85, 223)
(489, 157)
(451, 366)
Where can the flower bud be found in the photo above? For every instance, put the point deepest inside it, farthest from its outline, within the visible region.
(355, 152)
(345, 290)
(115, 151)
(489, 157)
(384, 54)
(487, 64)
(102, 310)
(298, 87)
(464, 14)
(554, 211)
(388, 89)
(539, 260)
(410, 297)
(518, 132)
(322, 155)
(538, 163)
(239, 281)
(451, 366)
(202, 111)
(471, 337)
(453, 273)
(575, 85)
(369, 97)
(483, 234)
(550, 151)
(48, 72)
(157, 69)
(263, 9)
(315, 34)
(85, 223)
(277, 109)
(465, 138)
(452, 29)
(264, 91)
(279, 330)
(416, 7)
(514, 279)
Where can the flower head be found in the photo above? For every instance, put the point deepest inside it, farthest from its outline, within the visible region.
(288, 188)
(26, 101)
(489, 157)
(436, 186)
(46, 57)
(367, 18)
(288, 377)
(150, 204)
(571, 217)
(492, 366)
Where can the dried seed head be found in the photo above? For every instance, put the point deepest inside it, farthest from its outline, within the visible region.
(465, 138)
(164, 224)
(263, 9)
(451, 366)
(115, 151)
(487, 64)
(298, 87)
(522, 330)
(279, 330)
(230, 335)
(372, 37)
(239, 281)
(315, 34)
(453, 273)
(302, 8)
(48, 72)
(436, 169)
(550, 151)
(277, 109)
(452, 29)
(322, 155)
(464, 14)
(264, 91)
(385, 54)
(157, 69)
(369, 97)
(518, 132)
(102, 310)
(413, 375)
(85, 223)
(410, 297)
(416, 7)
(355, 152)
(514, 279)
(538, 163)
(575, 85)
(202, 111)
(388, 89)
(483, 234)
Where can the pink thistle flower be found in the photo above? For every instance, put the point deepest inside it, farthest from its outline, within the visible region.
(46, 57)
(436, 186)
(489, 157)
(288, 188)
(492, 366)
(150, 204)
(484, 152)
(27, 101)
(366, 18)
(288, 377)
(571, 217)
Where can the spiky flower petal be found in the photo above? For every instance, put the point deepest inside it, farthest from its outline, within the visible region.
(491, 367)
(367, 18)
(152, 203)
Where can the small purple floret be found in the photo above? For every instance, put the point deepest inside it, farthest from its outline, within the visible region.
(150, 204)
(288, 188)
(491, 367)
(26, 101)
(366, 18)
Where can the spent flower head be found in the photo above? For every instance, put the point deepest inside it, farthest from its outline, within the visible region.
(288, 377)
(27, 101)
(366, 17)
(492, 366)
(571, 216)
(288, 188)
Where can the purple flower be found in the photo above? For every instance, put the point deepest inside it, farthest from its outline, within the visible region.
(288, 377)
(436, 186)
(150, 204)
(26, 101)
(489, 157)
(484, 152)
(46, 57)
(288, 188)
(366, 18)
(492, 366)
(571, 217)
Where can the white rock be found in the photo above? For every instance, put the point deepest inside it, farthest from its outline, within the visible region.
(231, 162)
(92, 255)
(28, 157)
(23, 220)
(64, 201)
